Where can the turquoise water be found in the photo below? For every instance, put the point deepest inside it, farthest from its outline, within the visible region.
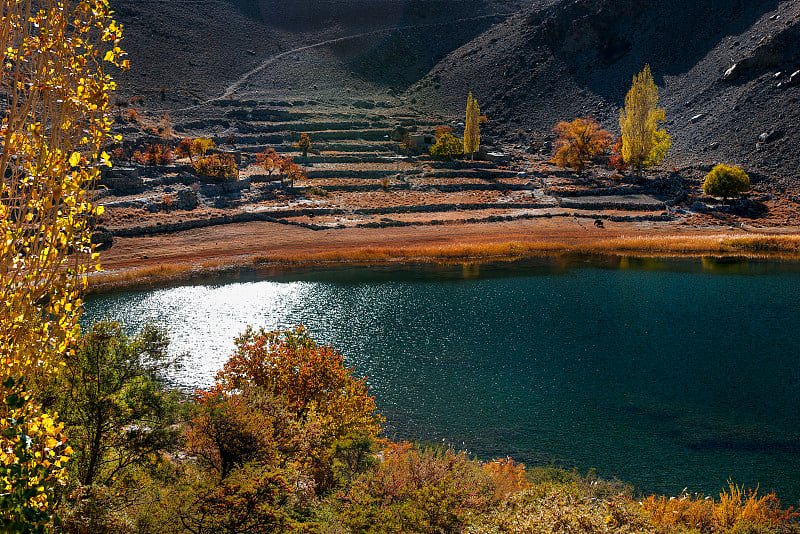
(664, 374)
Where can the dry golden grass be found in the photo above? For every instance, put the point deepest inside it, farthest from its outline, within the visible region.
(736, 509)
(141, 276)
(491, 251)
(758, 245)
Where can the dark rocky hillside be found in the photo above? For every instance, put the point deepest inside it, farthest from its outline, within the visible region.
(190, 50)
(724, 67)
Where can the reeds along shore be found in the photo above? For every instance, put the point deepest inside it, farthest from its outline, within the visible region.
(785, 247)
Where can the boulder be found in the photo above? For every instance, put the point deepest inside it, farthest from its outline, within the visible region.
(187, 199)
(731, 73)
(794, 79)
(398, 132)
(768, 137)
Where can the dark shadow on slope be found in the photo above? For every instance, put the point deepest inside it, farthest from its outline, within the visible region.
(602, 44)
(402, 58)
(320, 15)
(248, 8)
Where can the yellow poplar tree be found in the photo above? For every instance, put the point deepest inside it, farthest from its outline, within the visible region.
(472, 129)
(643, 144)
(55, 119)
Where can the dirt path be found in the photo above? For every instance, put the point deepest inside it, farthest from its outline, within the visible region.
(233, 87)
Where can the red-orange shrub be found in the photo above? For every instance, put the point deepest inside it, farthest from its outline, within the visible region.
(508, 477)
(578, 142)
(616, 161)
(154, 155)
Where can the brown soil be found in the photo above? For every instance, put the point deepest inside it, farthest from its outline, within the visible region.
(237, 242)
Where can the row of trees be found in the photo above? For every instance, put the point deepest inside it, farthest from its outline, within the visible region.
(271, 162)
(642, 143)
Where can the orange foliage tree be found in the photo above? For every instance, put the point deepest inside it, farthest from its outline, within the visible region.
(286, 404)
(578, 142)
(312, 378)
(231, 430)
(269, 160)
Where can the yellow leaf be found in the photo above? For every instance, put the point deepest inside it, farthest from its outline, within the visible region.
(74, 159)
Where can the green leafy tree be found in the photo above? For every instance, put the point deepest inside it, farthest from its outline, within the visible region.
(54, 121)
(114, 402)
(643, 144)
(726, 181)
(472, 128)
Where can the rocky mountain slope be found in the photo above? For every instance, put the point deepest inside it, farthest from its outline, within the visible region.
(726, 69)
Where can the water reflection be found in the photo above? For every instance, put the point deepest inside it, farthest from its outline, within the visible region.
(663, 373)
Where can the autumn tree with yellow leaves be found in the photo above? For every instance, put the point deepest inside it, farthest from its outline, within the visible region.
(55, 119)
(472, 128)
(643, 144)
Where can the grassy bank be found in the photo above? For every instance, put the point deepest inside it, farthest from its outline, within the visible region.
(753, 246)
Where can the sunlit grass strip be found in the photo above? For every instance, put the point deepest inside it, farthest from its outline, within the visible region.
(108, 280)
(484, 251)
(759, 245)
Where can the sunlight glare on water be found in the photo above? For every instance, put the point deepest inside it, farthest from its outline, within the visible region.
(203, 320)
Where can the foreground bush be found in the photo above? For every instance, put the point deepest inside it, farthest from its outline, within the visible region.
(726, 181)
(417, 490)
(736, 510)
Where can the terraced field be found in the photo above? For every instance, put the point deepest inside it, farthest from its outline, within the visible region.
(356, 176)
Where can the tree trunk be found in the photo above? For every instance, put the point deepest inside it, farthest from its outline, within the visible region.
(94, 453)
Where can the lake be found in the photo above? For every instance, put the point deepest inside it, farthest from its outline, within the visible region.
(665, 374)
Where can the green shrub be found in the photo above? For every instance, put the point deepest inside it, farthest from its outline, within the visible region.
(726, 181)
(217, 167)
(447, 147)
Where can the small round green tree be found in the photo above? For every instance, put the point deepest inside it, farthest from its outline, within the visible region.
(726, 181)
(447, 146)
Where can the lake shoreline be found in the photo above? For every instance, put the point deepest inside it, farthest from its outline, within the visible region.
(146, 261)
